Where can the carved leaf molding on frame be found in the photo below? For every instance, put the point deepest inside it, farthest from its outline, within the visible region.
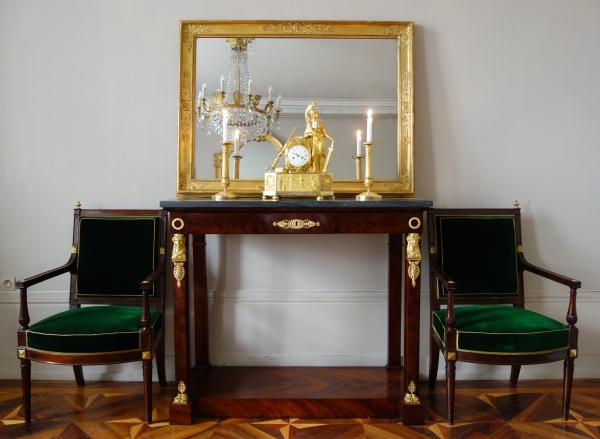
(189, 32)
(186, 183)
(404, 184)
(403, 33)
(297, 28)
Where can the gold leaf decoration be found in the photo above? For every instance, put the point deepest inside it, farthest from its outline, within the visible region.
(190, 32)
(296, 224)
(297, 28)
(178, 272)
(185, 180)
(413, 271)
(403, 33)
(270, 183)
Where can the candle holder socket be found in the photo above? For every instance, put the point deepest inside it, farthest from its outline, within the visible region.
(226, 194)
(368, 195)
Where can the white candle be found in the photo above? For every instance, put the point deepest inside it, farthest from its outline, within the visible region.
(358, 144)
(270, 91)
(370, 127)
(225, 123)
(203, 89)
(249, 86)
(236, 142)
(222, 83)
(278, 102)
(199, 100)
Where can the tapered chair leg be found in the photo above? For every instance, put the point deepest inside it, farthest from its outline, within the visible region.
(434, 359)
(160, 363)
(147, 367)
(514, 374)
(78, 370)
(450, 377)
(567, 386)
(26, 384)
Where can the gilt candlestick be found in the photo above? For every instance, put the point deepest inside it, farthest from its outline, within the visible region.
(359, 161)
(236, 166)
(225, 195)
(368, 195)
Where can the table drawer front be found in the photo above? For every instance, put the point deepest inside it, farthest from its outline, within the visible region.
(295, 223)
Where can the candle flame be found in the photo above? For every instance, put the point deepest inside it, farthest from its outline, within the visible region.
(370, 113)
(225, 114)
(237, 133)
(358, 133)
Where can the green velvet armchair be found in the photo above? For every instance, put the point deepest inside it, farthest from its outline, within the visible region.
(117, 259)
(476, 260)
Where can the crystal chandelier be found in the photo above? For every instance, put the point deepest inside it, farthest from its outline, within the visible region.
(237, 102)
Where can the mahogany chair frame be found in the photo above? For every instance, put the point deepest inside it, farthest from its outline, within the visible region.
(149, 348)
(449, 349)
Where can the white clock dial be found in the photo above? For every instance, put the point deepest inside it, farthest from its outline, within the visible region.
(297, 155)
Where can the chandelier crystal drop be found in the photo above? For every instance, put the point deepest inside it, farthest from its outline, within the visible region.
(237, 98)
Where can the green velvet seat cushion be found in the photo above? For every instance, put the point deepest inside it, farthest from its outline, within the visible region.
(479, 253)
(503, 330)
(114, 255)
(94, 329)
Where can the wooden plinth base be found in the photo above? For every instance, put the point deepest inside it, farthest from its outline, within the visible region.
(297, 392)
(181, 414)
(413, 414)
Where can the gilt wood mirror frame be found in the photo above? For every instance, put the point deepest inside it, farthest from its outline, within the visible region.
(190, 148)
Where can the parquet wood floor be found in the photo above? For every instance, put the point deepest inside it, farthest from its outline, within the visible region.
(484, 409)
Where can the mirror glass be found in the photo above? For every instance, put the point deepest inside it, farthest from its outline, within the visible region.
(347, 68)
(332, 73)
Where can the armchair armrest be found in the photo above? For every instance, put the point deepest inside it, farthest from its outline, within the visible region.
(450, 287)
(442, 276)
(154, 275)
(26, 283)
(571, 283)
(68, 267)
(145, 286)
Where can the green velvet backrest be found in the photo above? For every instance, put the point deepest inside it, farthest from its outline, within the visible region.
(479, 253)
(114, 254)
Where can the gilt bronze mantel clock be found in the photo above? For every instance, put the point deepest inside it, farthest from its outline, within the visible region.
(304, 173)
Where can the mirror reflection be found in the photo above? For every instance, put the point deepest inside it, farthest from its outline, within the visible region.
(346, 77)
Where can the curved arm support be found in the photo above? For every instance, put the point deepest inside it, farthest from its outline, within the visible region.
(23, 284)
(145, 287)
(572, 311)
(442, 276)
(569, 282)
(24, 311)
(70, 267)
(450, 320)
(154, 275)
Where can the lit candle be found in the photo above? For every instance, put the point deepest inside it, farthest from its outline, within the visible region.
(370, 127)
(236, 142)
(225, 123)
(270, 91)
(249, 86)
(203, 89)
(358, 144)
(222, 83)
(278, 102)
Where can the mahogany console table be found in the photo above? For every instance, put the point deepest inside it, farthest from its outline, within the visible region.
(305, 392)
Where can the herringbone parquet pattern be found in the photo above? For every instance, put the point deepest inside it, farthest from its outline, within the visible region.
(483, 410)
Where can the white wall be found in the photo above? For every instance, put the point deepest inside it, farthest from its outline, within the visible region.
(507, 97)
